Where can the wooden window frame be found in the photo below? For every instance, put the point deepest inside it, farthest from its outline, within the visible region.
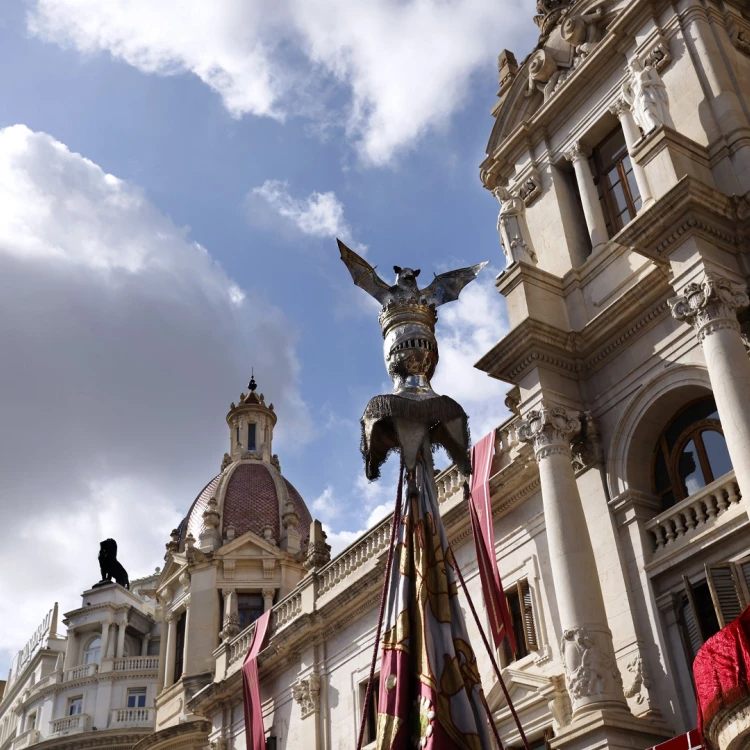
(371, 722)
(522, 590)
(600, 180)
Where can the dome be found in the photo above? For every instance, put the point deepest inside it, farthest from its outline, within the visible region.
(251, 494)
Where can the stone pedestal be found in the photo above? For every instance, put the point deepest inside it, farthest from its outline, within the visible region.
(592, 678)
(613, 730)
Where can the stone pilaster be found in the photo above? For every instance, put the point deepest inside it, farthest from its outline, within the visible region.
(592, 678)
(710, 307)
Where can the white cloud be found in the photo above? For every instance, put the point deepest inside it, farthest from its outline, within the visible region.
(318, 215)
(407, 66)
(123, 343)
(466, 330)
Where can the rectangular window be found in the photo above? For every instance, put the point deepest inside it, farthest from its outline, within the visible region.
(31, 722)
(75, 705)
(371, 724)
(541, 743)
(613, 174)
(136, 697)
(522, 617)
(249, 608)
(251, 436)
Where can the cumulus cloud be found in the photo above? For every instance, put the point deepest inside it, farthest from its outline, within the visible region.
(466, 330)
(318, 215)
(123, 343)
(406, 66)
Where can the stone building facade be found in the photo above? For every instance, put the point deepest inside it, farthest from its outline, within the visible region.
(620, 155)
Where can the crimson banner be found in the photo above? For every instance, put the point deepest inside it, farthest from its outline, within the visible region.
(255, 735)
(480, 512)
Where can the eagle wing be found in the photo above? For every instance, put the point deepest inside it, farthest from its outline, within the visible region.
(364, 274)
(447, 286)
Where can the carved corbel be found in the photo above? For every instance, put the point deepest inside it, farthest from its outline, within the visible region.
(306, 692)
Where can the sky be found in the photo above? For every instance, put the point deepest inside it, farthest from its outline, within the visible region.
(173, 176)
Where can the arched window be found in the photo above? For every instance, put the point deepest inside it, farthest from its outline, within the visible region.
(93, 651)
(690, 453)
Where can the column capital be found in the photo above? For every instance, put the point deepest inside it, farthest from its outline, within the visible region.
(548, 428)
(169, 618)
(710, 305)
(269, 593)
(619, 107)
(227, 592)
(577, 152)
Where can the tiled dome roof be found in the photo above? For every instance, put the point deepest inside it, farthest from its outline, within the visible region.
(250, 495)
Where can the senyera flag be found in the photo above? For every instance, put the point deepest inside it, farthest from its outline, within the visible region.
(480, 512)
(255, 736)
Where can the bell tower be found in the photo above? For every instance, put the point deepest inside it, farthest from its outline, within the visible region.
(251, 425)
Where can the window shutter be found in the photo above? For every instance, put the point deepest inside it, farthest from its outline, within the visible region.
(743, 572)
(527, 611)
(725, 592)
(690, 624)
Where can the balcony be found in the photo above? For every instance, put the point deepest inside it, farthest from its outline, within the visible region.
(84, 670)
(70, 724)
(27, 739)
(694, 514)
(121, 718)
(136, 664)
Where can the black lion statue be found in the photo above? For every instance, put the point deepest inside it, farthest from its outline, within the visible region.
(109, 564)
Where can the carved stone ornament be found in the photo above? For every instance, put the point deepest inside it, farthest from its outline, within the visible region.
(290, 519)
(710, 305)
(226, 461)
(230, 627)
(549, 429)
(307, 693)
(511, 224)
(318, 554)
(529, 187)
(586, 449)
(641, 683)
(589, 671)
(211, 516)
(646, 94)
(741, 40)
(219, 744)
(577, 152)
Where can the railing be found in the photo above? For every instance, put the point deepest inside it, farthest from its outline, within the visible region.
(131, 717)
(132, 663)
(694, 512)
(286, 610)
(448, 483)
(84, 670)
(28, 738)
(506, 437)
(241, 644)
(372, 544)
(70, 724)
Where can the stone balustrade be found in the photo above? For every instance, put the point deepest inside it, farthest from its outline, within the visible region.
(70, 724)
(449, 482)
(28, 738)
(343, 565)
(136, 663)
(81, 671)
(694, 512)
(131, 717)
(506, 438)
(241, 643)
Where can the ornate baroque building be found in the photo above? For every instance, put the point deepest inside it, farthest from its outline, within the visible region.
(620, 155)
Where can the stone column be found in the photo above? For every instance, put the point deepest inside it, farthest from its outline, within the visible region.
(710, 306)
(592, 677)
(110, 653)
(162, 656)
(186, 636)
(106, 625)
(121, 627)
(231, 624)
(171, 654)
(632, 133)
(71, 650)
(144, 644)
(578, 154)
(268, 595)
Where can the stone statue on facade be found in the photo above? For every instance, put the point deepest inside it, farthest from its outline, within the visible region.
(514, 232)
(646, 94)
(109, 565)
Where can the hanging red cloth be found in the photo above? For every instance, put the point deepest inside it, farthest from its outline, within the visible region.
(480, 512)
(722, 670)
(255, 735)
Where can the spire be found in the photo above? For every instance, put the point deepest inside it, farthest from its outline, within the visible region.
(252, 385)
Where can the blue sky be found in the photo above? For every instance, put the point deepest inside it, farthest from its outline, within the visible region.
(171, 183)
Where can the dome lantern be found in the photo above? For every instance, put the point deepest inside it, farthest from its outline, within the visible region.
(251, 425)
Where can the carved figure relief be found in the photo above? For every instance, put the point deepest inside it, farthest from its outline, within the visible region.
(646, 94)
(588, 671)
(307, 694)
(641, 682)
